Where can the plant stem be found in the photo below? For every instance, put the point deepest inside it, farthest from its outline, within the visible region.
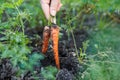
(22, 25)
(49, 23)
(75, 45)
(21, 22)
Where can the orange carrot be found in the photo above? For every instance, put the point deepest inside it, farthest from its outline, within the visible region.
(46, 36)
(55, 37)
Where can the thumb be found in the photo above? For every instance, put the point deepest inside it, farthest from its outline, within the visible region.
(54, 6)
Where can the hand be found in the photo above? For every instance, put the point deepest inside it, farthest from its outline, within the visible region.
(50, 7)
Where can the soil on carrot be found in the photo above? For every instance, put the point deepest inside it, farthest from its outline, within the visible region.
(69, 65)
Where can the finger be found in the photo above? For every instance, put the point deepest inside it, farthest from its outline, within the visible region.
(59, 6)
(53, 7)
(45, 7)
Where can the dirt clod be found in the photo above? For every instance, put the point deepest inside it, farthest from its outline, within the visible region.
(64, 74)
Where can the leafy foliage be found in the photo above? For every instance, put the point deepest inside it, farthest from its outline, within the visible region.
(82, 54)
(105, 64)
(15, 47)
(13, 41)
(50, 72)
(102, 59)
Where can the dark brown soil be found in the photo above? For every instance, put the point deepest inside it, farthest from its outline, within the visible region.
(68, 60)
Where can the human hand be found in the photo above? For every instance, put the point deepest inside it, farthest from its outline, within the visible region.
(50, 7)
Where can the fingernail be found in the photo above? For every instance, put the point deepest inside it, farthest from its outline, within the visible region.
(53, 12)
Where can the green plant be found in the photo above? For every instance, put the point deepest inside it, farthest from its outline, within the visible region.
(102, 67)
(19, 13)
(14, 46)
(37, 17)
(13, 42)
(12, 20)
(82, 54)
(49, 72)
(102, 61)
(104, 64)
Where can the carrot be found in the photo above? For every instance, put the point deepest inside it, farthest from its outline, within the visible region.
(55, 37)
(46, 36)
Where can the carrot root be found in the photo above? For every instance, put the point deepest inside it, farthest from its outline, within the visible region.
(55, 38)
(46, 36)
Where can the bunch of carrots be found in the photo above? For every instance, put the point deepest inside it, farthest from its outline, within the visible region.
(53, 33)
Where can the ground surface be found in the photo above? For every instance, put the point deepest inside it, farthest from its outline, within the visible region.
(68, 60)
